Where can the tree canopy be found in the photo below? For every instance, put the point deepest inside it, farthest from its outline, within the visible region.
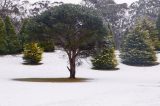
(112, 13)
(72, 27)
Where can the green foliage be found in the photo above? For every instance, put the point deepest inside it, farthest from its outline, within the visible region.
(105, 60)
(23, 34)
(137, 48)
(3, 48)
(150, 26)
(158, 28)
(30, 32)
(105, 57)
(157, 47)
(32, 53)
(113, 13)
(12, 40)
(158, 24)
(36, 30)
(110, 37)
(72, 25)
(47, 45)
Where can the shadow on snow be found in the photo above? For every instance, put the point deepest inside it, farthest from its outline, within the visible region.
(53, 80)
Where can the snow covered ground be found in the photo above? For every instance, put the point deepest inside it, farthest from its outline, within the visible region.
(25, 85)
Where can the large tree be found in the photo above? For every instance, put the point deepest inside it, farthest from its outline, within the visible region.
(73, 27)
(41, 6)
(158, 24)
(150, 26)
(9, 7)
(112, 13)
(143, 8)
(12, 40)
(19, 10)
(23, 33)
(3, 48)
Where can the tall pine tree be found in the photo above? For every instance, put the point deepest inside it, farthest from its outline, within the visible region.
(13, 43)
(150, 26)
(3, 48)
(158, 23)
(110, 37)
(137, 48)
(23, 34)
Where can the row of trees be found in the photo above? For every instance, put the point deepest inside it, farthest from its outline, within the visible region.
(9, 42)
(120, 16)
(78, 29)
(12, 42)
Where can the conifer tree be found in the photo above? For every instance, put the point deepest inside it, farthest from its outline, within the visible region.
(158, 29)
(32, 53)
(3, 49)
(23, 34)
(106, 59)
(158, 24)
(13, 43)
(109, 38)
(137, 48)
(149, 25)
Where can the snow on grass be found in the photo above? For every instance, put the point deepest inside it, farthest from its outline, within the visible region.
(46, 84)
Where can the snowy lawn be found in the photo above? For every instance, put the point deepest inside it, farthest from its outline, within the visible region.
(46, 84)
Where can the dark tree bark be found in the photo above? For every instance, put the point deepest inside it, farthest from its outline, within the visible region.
(72, 68)
(72, 62)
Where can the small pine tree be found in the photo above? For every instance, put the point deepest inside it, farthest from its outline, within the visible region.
(13, 43)
(32, 53)
(105, 60)
(3, 48)
(138, 48)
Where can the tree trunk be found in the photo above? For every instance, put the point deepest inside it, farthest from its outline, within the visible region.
(72, 68)
(72, 54)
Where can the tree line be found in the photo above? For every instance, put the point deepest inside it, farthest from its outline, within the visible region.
(120, 16)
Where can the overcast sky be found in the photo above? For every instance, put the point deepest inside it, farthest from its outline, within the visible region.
(77, 1)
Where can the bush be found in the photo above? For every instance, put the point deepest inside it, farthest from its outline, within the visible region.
(32, 53)
(47, 45)
(106, 60)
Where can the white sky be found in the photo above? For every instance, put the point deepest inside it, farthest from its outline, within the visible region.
(77, 1)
